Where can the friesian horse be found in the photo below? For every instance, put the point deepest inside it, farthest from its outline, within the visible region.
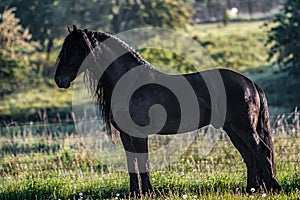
(105, 59)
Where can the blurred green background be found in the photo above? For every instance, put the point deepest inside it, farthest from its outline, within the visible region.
(32, 31)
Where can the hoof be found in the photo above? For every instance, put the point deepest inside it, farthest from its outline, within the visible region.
(149, 193)
(275, 187)
(135, 194)
(272, 187)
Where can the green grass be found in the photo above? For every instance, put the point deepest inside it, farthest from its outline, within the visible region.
(168, 185)
(62, 168)
(32, 103)
(238, 46)
(37, 98)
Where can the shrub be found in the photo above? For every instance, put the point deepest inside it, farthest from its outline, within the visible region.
(14, 52)
(284, 37)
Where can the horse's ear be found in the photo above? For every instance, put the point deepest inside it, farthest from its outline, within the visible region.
(69, 29)
(85, 30)
(74, 28)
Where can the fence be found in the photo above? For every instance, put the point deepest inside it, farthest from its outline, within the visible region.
(63, 146)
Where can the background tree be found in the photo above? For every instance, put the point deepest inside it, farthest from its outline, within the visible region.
(38, 17)
(284, 36)
(136, 13)
(14, 50)
(47, 19)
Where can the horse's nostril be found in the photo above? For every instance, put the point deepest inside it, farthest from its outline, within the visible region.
(66, 80)
(57, 80)
(63, 82)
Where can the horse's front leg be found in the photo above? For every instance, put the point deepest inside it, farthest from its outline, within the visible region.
(138, 163)
(131, 164)
(143, 164)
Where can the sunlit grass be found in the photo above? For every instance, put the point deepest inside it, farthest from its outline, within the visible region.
(69, 171)
(20, 105)
(238, 46)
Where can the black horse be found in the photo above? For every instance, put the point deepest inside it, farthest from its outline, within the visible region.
(220, 97)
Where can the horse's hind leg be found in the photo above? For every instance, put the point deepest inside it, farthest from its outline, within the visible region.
(267, 165)
(262, 156)
(248, 157)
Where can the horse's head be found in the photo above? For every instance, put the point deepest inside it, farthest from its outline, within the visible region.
(74, 50)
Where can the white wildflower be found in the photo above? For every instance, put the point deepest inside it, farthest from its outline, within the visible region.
(237, 190)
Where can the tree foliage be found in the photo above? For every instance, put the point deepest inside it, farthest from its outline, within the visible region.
(14, 38)
(284, 36)
(47, 19)
(159, 13)
(37, 16)
(14, 48)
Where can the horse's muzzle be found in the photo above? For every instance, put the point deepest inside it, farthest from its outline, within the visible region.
(63, 82)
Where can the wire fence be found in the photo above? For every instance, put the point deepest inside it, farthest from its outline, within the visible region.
(33, 147)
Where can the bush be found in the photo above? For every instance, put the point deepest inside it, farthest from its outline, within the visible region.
(14, 52)
(11, 76)
(284, 37)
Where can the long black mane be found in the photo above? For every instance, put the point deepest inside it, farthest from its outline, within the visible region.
(95, 42)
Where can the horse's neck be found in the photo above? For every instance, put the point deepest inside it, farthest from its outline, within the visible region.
(120, 57)
(119, 47)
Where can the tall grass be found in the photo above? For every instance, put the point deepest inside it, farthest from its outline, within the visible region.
(53, 162)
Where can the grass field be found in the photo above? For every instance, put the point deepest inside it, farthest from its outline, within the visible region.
(238, 46)
(51, 161)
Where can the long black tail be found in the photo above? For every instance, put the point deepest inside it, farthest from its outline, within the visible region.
(264, 127)
(264, 131)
